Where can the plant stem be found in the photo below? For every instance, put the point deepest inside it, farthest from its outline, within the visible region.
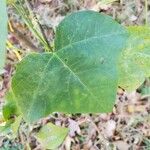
(39, 25)
(28, 22)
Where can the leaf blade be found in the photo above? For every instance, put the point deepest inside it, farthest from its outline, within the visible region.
(78, 74)
(135, 60)
(51, 136)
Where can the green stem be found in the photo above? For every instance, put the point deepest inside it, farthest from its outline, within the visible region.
(39, 25)
(34, 29)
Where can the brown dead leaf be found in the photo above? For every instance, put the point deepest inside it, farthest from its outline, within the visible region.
(74, 128)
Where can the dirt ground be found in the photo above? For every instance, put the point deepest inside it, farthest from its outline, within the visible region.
(128, 126)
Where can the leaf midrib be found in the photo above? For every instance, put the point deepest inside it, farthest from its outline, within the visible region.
(81, 82)
(67, 46)
(87, 39)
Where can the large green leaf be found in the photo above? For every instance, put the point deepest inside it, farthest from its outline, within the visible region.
(51, 136)
(3, 32)
(135, 60)
(80, 76)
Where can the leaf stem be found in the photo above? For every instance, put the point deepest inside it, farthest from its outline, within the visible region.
(22, 12)
(39, 25)
(35, 26)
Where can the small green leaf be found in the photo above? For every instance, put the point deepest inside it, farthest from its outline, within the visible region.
(146, 141)
(135, 60)
(145, 90)
(10, 109)
(3, 32)
(51, 136)
(81, 76)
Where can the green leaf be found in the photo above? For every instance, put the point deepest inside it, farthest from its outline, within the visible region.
(145, 91)
(10, 109)
(80, 76)
(135, 60)
(146, 141)
(3, 32)
(51, 136)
